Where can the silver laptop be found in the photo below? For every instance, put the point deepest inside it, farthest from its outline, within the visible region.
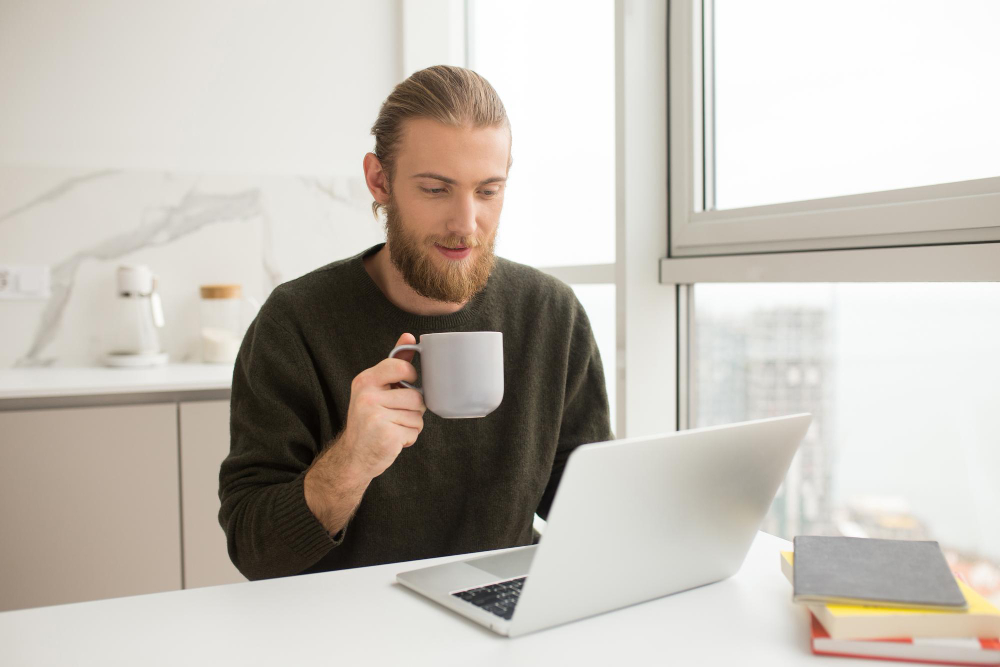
(633, 520)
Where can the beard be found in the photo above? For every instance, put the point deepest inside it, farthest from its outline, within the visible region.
(457, 281)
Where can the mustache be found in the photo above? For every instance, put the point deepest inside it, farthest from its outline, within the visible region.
(452, 241)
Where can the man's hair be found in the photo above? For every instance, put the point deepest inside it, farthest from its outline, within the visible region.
(450, 95)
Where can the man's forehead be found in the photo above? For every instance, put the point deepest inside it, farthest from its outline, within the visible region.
(457, 153)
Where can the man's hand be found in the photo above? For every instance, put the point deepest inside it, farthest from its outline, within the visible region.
(381, 420)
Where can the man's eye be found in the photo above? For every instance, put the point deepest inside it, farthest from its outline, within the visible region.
(490, 193)
(433, 191)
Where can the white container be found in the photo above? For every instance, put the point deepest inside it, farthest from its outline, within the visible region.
(225, 315)
(133, 330)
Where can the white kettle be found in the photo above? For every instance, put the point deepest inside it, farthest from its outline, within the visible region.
(135, 339)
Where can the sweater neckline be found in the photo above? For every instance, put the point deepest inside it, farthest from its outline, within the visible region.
(421, 323)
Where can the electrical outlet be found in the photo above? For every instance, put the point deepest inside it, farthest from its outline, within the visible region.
(24, 281)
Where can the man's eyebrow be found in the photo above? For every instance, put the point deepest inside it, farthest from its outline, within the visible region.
(451, 181)
(436, 177)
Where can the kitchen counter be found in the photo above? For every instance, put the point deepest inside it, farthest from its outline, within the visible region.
(36, 388)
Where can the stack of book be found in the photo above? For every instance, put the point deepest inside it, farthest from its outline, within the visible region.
(890, 599)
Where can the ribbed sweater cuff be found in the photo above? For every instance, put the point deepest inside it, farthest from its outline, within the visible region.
(299, 527)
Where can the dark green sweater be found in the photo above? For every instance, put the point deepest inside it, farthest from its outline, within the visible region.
(465, 485)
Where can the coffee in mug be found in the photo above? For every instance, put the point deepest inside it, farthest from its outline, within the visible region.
(461, 372)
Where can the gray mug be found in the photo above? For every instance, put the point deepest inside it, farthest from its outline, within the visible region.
(461, 372)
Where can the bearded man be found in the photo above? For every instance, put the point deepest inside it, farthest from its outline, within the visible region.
(333, 464)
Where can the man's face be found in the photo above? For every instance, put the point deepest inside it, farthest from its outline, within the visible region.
(444, 207)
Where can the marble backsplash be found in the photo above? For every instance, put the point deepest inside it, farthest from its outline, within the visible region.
(191, 229)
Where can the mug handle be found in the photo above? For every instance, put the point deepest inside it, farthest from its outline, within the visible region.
(400, 348)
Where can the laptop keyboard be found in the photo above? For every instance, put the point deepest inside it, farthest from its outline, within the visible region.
(498, 598)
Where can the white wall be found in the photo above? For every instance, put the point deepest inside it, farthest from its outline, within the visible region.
(194, 85)
(216, 141)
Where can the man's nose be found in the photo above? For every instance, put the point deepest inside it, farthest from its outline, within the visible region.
(463, 219)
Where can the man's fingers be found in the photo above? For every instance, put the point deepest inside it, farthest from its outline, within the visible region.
(405, 339)
(403, 399)
(390, 371)
(410, 435)
(401, 435)
(407, 419)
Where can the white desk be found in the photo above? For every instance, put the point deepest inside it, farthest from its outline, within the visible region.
(362, 617)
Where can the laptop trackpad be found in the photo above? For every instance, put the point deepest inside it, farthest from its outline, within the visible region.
(514, 563)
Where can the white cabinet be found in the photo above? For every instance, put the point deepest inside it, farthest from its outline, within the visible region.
(204, 443)
(89, 504)
(108, 501)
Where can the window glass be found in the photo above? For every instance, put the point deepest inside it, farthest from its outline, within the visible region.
(902, 382)
(556, 79)
(821, 99)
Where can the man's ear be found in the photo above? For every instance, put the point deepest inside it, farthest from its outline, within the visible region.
(375, 179)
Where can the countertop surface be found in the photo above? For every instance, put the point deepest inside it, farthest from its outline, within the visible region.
(362, 617)
(35, 383)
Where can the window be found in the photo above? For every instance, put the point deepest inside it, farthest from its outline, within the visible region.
(835, 247)
(818, 100)
(806, 126)
(901, 381)
(556, 80)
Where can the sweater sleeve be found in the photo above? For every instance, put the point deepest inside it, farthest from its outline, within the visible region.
(586, 415)
(274, 437)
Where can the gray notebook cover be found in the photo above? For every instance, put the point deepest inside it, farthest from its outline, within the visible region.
(854, 570)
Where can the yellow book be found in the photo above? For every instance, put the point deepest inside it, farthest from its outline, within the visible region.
(843, 621)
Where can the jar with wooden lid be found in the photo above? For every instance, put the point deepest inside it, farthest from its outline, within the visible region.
(225, 316)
